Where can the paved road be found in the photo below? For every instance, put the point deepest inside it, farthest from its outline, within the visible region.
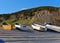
(29, 36)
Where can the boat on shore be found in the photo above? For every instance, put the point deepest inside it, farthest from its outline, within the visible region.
(21, 27)
(53, 27)
(38, 27)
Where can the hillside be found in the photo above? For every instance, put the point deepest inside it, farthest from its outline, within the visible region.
(34, 15)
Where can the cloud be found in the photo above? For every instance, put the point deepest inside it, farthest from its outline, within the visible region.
(23, 8)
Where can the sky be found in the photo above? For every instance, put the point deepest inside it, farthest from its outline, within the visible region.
(10, 6)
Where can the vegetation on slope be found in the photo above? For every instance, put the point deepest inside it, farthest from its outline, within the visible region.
(29, 16)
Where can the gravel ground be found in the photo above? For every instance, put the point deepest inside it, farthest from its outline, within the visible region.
(29, 36)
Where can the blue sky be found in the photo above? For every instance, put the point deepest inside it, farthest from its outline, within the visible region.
(9, 6)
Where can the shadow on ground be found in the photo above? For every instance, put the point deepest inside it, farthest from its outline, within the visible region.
(30, 31)
(49, 30)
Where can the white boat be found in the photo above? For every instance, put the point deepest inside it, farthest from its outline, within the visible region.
(52, 27)
(17, 26)
(21, 27)
(38, 27)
